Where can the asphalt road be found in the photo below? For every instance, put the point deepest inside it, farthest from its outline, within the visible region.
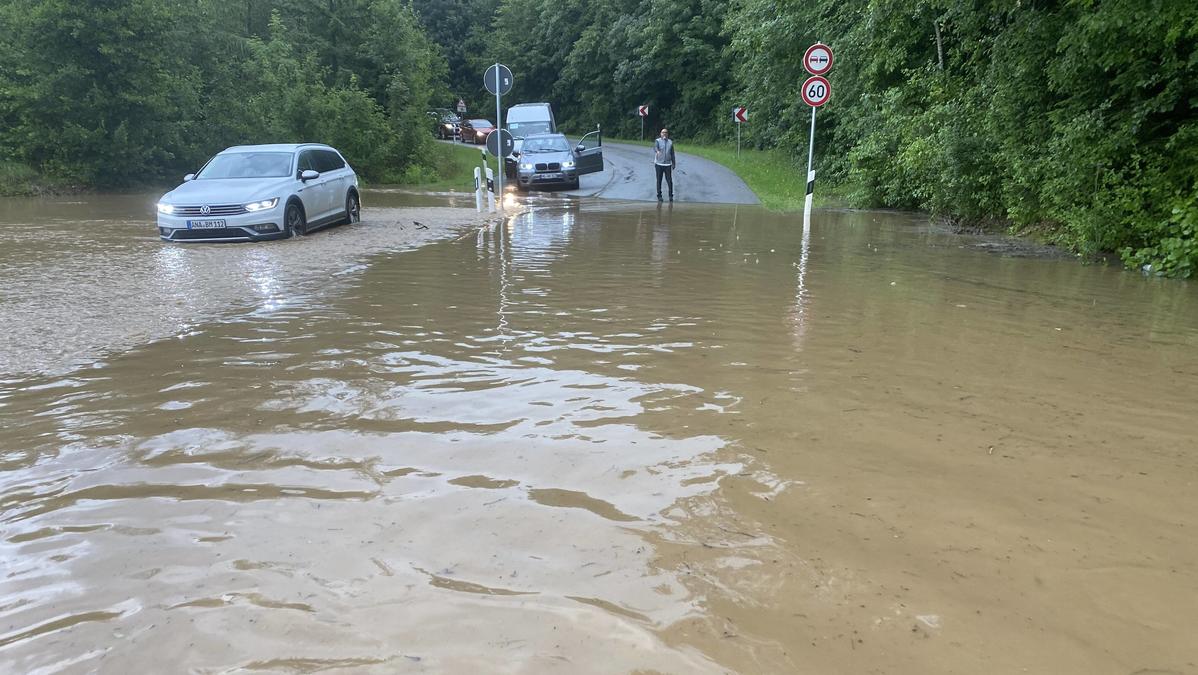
(628, 174)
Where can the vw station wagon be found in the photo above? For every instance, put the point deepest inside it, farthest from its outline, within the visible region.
(259, 192)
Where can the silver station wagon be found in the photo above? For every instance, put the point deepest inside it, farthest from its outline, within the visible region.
(257, 192)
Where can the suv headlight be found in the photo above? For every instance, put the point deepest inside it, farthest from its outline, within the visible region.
(262, 205)
(168, 209)
(568, 164)
(526, 166)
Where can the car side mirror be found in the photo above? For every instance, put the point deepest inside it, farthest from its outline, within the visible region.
(309, 174)
(189, 177)
(515, 153)
(578, 148)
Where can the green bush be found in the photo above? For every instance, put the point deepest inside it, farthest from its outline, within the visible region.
(1174, 251)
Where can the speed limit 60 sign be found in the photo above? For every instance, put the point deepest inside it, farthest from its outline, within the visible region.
(816, 91)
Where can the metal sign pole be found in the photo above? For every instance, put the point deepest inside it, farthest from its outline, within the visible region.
(810, 171)
(816, 90)
(642, 128)
(498, 128)
(738, 140)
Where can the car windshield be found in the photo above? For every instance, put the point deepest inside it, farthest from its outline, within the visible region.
(528, 128)
(247, 165)
(480, 123)
(550, 144)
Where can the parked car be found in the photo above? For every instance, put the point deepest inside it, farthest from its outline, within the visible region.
(445, 123)
(548, 159)
(257, 192)
(475, 131)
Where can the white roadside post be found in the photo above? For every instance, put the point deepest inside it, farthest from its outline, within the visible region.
(816, 91)
(490, 192)
(478, 189)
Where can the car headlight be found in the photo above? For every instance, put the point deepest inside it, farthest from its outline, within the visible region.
(168, 209)
(526, 166)
(262, 205)
(568, 164)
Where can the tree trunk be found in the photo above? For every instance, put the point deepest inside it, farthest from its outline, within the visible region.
(939, 44)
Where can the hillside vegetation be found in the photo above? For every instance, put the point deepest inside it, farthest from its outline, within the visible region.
(1076, 118)
(120, 92)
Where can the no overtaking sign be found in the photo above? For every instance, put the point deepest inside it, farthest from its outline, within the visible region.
(818, 59)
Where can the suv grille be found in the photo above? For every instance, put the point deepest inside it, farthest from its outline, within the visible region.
(217, 210)
(554, 166)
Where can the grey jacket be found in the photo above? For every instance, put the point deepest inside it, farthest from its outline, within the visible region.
(663, 152)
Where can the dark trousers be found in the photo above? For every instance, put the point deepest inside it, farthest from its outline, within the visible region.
(668, 172)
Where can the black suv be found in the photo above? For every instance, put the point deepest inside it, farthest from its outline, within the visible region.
(445, 123)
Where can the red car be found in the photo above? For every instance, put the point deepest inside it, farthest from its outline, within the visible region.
(475, 131)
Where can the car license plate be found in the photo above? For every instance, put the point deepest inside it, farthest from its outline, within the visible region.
(206, 224)
(550, 176)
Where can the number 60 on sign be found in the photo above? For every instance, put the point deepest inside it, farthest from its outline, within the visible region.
(816, 91)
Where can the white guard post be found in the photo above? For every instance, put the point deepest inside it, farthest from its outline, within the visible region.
(478, 189)
(490, 191)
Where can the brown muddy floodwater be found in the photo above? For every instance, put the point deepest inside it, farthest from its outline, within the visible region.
(596, 438)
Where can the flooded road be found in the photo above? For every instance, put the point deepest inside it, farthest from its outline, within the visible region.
(601, 437)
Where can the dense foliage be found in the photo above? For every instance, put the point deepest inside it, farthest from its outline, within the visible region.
(116, 92)
(462, 31)
(1076, 118)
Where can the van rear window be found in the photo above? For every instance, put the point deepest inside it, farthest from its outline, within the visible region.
(528, 128)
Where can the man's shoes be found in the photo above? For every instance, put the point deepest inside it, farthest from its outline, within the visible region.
(659, 197)
(671, 197)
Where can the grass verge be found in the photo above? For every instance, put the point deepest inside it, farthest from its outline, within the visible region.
(19, 180)
(453, 169)
(775, 177)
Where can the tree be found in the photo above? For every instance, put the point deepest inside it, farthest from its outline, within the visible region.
(95, 92)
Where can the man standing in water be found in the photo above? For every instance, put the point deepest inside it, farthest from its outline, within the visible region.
(664, 161)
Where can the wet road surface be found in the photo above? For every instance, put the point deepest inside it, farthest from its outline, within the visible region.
(628, 174)
(604, 437)
(88, 275)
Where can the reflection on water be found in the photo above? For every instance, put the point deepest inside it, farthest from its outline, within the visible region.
(397, 197)
(602, 438)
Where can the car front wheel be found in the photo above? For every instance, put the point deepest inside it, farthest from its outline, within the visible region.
(353, 208)
(294, 222)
